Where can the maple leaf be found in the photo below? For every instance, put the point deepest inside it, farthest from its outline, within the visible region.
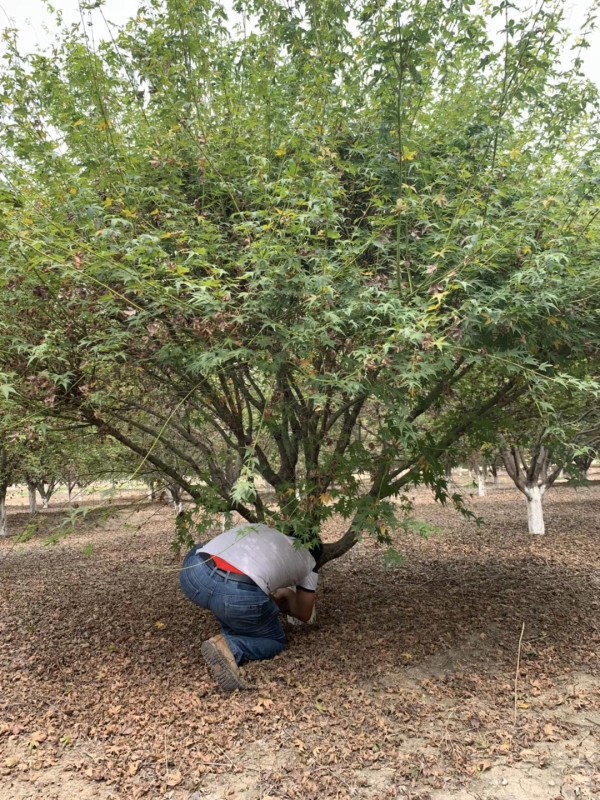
(263, 704)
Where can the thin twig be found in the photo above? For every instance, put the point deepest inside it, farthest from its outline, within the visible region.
(166, 758)
(517, 670)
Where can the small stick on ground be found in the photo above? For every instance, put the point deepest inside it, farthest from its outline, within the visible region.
(166, 758)
(518, 664)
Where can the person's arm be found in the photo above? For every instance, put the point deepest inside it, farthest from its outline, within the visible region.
(298, 604)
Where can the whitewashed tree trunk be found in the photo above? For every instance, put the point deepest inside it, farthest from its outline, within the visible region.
(535, 511)
(177, 498)
(46, 489)
(173, 496)
(32, 498)
(533, 480)
(478, 471)
(5, 482)
(481, 490)
(3, 520)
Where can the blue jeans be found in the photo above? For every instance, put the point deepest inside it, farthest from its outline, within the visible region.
(248, 617)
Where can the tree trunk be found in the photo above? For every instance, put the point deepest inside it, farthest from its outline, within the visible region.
(32, 498)
(175, 494)
(3, 519)
(535, 511)
(333, 550)
(70, 486)
(494, 471)
(533, 481)
(481, 490)
(177, 498)
(584, 462)
(46, 490)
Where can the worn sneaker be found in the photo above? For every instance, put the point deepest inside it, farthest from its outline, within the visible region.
(221, 663)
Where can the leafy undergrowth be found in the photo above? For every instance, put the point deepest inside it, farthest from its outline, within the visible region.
(405, 687)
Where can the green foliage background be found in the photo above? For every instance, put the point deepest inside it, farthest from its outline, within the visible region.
(319, 248)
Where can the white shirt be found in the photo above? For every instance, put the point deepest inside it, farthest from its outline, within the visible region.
(271, 558)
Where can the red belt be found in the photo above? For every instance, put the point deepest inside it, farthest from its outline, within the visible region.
(238, 576)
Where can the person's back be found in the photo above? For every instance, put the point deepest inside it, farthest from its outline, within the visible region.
(272, 559)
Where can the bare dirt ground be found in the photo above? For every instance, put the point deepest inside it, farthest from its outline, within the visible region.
(406, 688)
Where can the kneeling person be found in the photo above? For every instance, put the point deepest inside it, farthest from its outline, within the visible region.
(242, 577)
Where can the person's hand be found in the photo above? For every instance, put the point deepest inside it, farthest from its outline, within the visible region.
(281, 598)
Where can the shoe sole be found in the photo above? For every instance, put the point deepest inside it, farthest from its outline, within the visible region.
(220, 668)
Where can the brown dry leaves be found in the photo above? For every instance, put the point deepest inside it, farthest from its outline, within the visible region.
(405, 685)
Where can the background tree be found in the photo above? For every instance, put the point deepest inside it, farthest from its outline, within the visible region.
(7, 471)
(584, 460)
(546, 437)
(231, 248)
(12, 447)
(43, 457)
(533, 478)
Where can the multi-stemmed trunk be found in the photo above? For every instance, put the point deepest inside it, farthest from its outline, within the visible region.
(478, 472)
(173, 496)
(43, 486)
(305, 456)
(46, 490)
(532, 480)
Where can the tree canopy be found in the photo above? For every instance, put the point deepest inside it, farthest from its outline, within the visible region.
(314, 244)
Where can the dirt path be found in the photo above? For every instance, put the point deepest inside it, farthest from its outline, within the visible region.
(404, 689)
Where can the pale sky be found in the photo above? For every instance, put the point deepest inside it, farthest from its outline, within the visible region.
(32, 20)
